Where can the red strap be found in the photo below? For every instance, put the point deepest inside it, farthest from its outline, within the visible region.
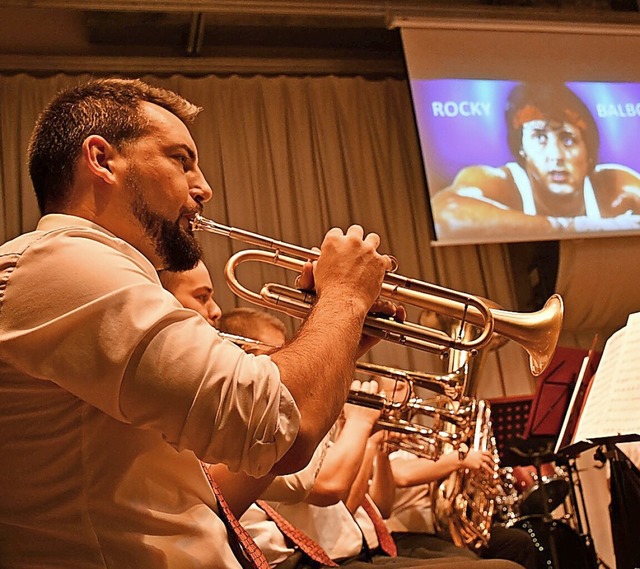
(298, 537)
(384, 537)
(250, 556)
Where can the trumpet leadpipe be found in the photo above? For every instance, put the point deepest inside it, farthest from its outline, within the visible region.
(246, 343)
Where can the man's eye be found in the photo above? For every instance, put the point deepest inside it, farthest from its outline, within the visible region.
(184, 160)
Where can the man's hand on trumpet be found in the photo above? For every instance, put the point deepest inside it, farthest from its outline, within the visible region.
(350, 267)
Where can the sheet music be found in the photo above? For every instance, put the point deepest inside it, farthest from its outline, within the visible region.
(625, 398)
(613, 400)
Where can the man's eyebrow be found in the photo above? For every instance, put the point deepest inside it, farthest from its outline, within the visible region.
(203, 288)
(190, 152)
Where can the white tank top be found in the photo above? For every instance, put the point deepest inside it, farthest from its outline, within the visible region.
(526, 192)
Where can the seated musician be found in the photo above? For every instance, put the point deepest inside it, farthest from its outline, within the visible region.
(406, 502)
(324, 483)
(193, 289)
(325, 499)
(266, 329)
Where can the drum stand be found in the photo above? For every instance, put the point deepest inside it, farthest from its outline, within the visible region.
(537, 463)
(574, 482)
(537, 457)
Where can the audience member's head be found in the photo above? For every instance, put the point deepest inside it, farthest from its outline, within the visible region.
(194, 290)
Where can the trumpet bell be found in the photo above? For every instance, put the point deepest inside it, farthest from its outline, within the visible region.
(537, 332)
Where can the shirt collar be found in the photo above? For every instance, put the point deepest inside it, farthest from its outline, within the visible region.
(53, 221)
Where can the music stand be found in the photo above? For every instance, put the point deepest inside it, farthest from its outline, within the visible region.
(548, 409)
(624, 480)
(509, 417)
(546, 419)
(551, 402)
(578, 399)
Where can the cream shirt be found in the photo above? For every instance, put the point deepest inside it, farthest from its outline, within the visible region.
(333, 527)
(412, 505)
(290, 490)
(110, 392)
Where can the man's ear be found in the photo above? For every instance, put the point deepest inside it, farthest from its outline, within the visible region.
(98, 155)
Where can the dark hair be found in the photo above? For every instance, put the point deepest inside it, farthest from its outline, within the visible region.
(106, 107)
(549, 101)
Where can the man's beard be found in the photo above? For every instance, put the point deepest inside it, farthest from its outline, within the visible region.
(176, 246)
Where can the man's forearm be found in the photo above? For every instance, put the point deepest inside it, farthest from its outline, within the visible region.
(317, 367)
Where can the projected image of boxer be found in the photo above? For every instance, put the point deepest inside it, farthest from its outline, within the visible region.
(555, 181)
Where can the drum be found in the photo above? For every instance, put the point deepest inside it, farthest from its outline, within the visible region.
(555, 486)
(571, 550)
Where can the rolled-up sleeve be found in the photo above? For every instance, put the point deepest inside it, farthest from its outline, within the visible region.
(86, 311)
(227, 406)
(294, 488)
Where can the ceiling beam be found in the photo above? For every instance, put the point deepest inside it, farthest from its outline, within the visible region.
(199, 65)
(359, 12)
(196, 34)
(338, 8)
(535, 26)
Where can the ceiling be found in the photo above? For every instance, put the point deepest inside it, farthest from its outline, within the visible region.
(266, 36)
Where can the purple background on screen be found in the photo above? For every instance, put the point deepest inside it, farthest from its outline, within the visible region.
(451, 143)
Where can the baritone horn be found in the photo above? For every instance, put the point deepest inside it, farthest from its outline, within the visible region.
(536, 332)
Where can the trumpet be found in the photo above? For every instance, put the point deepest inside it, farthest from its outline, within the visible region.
(536, 332)
(247, 344)
(395, 410)
(450, 384)
(409, 404)
(452, 422)
(450, 413)
(421, 440)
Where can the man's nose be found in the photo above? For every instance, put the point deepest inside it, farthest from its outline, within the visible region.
(555, 149)
(214, 312)
(200, 189)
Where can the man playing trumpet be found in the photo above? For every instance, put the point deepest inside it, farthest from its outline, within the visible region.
(111, 393)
